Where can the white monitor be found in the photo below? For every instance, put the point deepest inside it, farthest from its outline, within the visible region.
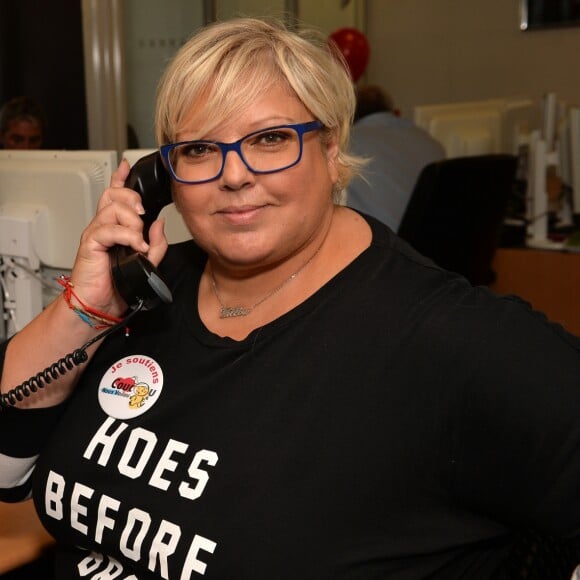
(466, 134)
(574, 144)
(520, 117)
(64, 187)
(175, 229)
(479, 127)
(47, 198)
(424, 114)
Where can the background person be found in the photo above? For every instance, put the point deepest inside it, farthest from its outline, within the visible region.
(397, 151)
(22, 124)
(318, 401)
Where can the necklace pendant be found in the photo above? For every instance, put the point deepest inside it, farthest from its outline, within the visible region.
(234, 311)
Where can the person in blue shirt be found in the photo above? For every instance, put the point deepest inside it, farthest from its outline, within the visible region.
(397, 151)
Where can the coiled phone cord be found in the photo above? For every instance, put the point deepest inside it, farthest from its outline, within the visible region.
(60, 367)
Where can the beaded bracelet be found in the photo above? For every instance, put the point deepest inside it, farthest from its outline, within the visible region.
(94, 318)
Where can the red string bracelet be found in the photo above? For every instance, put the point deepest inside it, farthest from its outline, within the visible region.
(94, 318)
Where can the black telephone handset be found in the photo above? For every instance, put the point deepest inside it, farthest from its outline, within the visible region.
(134, 276)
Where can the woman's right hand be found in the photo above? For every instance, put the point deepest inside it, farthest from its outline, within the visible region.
(117, 221)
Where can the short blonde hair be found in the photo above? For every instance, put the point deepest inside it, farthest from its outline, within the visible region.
(226, 66)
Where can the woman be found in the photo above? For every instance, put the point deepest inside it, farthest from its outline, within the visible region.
(318, 401)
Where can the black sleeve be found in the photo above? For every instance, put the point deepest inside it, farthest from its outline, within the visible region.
(22, 435)
(517, 443)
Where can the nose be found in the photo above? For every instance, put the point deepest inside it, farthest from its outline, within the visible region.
(235, 174)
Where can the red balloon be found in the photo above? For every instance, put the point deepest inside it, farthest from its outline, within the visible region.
(354, 46)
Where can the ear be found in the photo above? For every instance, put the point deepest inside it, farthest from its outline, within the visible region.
(332, 152)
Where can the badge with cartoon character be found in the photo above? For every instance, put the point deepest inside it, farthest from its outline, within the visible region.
(131, 386)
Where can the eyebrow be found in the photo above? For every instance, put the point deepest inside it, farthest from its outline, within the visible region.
(265, 123)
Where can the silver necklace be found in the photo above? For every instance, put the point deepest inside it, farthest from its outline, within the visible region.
(236, 311)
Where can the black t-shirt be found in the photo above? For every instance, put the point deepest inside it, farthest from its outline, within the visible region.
(397, 424)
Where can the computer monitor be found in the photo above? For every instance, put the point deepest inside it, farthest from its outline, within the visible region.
(519, 118)
(47, 198)
(175, 229)
(554, 158)
(424, 114)
(479, 127)
(468, 134)
(65, 187)
(574, 144)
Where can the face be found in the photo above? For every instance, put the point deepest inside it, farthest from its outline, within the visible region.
(22, 134)
(247, 220)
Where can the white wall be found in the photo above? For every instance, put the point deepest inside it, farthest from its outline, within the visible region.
(433, 51)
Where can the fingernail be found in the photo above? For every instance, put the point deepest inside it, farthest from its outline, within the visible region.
(140, 209)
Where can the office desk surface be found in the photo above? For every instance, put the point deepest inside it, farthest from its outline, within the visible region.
(22, 537)
(548, 280)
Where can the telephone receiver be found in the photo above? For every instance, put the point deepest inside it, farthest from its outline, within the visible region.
(135, 278)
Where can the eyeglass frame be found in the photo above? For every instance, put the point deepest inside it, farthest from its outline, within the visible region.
(236, 146)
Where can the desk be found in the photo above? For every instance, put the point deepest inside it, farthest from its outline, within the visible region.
(22, 537)
(548, 280)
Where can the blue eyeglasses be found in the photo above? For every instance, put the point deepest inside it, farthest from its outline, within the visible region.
(265, 151)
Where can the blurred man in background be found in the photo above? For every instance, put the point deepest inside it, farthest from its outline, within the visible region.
(22, 124)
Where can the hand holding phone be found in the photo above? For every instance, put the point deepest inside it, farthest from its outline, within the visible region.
(135, 278)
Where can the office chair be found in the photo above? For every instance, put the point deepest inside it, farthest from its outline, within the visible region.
(456, 211)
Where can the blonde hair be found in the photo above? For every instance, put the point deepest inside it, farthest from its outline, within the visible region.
(226, 66)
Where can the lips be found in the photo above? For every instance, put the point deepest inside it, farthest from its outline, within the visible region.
(241, 214)
(240, 209)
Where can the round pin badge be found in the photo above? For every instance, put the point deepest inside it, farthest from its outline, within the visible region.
(131, 386)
